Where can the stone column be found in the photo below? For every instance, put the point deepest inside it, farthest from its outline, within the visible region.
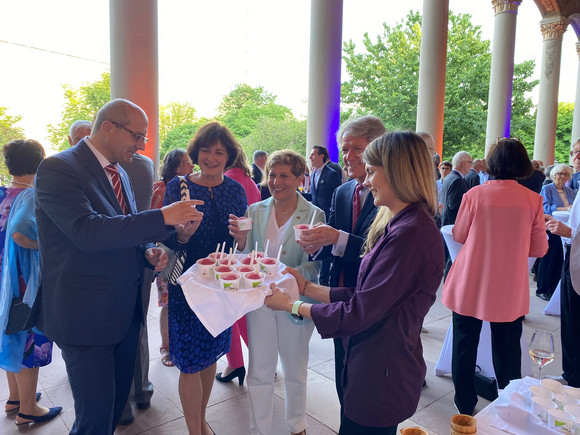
(552, 30)
(432, 64)
(324, 76)
(134, 61)
(502, 70)
(576, 121)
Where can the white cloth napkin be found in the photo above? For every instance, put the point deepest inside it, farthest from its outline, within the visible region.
(219, 309)
(514, 412)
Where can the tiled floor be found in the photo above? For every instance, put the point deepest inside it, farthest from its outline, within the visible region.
(228, 407)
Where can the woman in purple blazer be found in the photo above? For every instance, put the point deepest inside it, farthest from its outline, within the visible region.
(380, 319)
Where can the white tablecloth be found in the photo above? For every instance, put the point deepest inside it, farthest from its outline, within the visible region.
(219, 309)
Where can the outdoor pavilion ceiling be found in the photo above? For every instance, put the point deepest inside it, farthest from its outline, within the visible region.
(569, 9)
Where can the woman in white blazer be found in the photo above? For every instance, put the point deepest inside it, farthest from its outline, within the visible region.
(273, 332)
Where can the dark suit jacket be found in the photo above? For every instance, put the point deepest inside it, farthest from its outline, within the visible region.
(472, 178)
(575, 182)
(91, 254)
(534, 181)
(327, 182)
(256, 174)
(452, 190)
(340, 217)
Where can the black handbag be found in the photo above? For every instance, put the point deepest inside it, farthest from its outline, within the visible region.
(484, 386)
(21, 317)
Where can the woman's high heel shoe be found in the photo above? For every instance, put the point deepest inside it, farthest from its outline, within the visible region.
(239, 373)
(52, 412)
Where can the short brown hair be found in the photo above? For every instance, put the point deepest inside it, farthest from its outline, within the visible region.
(210, 134)
(508, 160)
(291, 158)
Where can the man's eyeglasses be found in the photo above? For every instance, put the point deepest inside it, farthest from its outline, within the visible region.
(574, 152)
(138, 136)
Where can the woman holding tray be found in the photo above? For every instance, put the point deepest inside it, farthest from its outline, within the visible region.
(380, 319)
(192, 349)
(272, 333)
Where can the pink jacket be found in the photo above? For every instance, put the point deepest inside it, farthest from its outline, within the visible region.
(252, 192)
(501, 224)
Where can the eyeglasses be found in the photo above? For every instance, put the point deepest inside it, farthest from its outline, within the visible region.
(574, 152)
(138, 136)
(468, 161)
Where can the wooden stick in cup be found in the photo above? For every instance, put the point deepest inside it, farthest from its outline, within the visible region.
(266, 250)
(312, 220)
(279, 253)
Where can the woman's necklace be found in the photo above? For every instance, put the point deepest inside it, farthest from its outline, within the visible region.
(283, 212)
(22, 184)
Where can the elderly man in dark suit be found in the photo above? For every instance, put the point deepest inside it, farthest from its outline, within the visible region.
(259, 163)
(351, 213)
(93, 245)
(452, 190)
(472, 177)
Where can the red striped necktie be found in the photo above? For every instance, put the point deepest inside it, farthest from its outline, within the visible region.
(356, 204)
(117, 186)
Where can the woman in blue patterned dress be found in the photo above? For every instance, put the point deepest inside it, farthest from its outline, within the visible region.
(21, 353)
(192, 349)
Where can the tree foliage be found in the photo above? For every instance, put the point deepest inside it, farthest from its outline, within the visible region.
(242, 109)
(173, 115)
(564, 132)
(384, 81)
(81, 103)
(274, 134)
(177, 138)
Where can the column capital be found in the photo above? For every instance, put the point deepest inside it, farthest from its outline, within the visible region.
(553, 28)
(501, 6)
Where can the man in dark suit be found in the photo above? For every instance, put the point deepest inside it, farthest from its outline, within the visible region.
(575, 181)
(324, 179)
(535, 181)
(93, 245)
(452, 190)
(258, 165)
(342, 241)
(141, 172)
(472, 177)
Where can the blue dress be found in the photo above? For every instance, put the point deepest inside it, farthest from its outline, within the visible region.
(191, 347)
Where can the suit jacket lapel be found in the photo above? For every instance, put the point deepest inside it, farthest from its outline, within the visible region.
(349, 195)
(127, 190)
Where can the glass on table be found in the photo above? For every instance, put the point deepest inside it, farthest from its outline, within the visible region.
(542, 349)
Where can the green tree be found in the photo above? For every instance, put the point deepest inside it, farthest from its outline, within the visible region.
(173, 115)
(243, 107)
(9, 131)
(177, 138)
(564, 132)
(275, 134)
(384, 82)
(81, 103)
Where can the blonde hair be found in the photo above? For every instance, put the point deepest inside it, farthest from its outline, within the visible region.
(408, 168)
(291, 158)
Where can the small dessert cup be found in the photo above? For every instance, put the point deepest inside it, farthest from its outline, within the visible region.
(298, 230)
(221, 269)
(269, 266)
(205, 267)
(230, 281)
(254, 279)
(245, 224)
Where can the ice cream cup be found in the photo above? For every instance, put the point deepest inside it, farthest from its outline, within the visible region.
(217, 255)
(560, 420)
(298, 230)
(218, 270)
(205, 267)
(242, 269)
(269, 266)
(463, 424)
(227, 262)
(248, 261)
(230, 281)
(254, 279)
(539, 391)
(562, 399)
(553, 385)
(574, 411)
(540, 407)
(574, 392)
(245, 224)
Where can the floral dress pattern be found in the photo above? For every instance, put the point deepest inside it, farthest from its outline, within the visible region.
(191, 347)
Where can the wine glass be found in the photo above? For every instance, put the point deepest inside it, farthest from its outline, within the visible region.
(542, 349)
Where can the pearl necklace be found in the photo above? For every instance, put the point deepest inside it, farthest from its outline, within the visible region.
(22, 184)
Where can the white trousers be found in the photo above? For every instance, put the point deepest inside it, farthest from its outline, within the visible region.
(271, 333)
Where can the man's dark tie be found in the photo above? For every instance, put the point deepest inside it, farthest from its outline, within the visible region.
(356, 206)
(117, 186)
(180, 256)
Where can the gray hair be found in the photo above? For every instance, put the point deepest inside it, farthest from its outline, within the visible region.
(78, 124)
(560, 168)
(458, 158)
(368, 126)
(258, 154)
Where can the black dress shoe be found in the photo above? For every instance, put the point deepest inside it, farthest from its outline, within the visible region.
(52, 412)
(126, 421)
(239, 373)
(143, 405)
(544, 296)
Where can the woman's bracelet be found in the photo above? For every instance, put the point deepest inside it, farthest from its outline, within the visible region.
(304, 288)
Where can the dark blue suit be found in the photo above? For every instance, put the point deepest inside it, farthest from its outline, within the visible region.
(327, 181)
(340, 217)
(91, 259)
(575, 182)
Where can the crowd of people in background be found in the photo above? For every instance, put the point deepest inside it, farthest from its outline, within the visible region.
(85, 232)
